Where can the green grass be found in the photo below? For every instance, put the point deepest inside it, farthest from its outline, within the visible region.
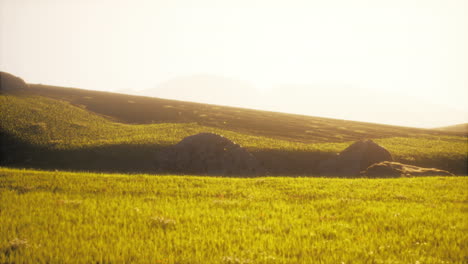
(61, 217)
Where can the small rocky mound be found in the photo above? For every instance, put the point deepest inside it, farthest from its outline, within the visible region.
(9, 83)
(354, 159)
(395, 169)
(208, 154)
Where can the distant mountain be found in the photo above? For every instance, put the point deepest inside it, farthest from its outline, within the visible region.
(326, 100)
(205, 88)
(362, 104)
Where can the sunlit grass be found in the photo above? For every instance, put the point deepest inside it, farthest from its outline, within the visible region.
(61, 217)
(57, 124)
(52, 217)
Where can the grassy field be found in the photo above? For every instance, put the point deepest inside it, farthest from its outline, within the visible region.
(42, 132)
(61, 217)
(54, 216)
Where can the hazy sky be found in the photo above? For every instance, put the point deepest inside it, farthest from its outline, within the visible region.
(397, 62)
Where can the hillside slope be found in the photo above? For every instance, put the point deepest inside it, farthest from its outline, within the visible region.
(59, 128)
(461, 128)
(147, 110)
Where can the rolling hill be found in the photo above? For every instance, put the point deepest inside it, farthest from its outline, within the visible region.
(461, 128)
(67, 128)
(147, 110)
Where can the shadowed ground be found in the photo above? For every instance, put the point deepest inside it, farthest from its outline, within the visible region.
(140, 158)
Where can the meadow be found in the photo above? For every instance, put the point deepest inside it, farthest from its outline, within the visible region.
(65, 217)
(49, 214)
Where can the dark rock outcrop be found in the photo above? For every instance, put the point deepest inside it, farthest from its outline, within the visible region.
(388, 169)
(11, 83)
(354, 159)
(208, 154)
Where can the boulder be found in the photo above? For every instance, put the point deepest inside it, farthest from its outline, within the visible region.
(208, 154)
(355, 158)
(9, 83)
(359, 156)
(395, 169)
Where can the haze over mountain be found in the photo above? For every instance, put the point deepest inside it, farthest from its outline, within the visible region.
(334, 101)
(204, 88)
(399, 62)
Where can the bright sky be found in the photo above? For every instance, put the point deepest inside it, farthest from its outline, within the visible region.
(401, 62)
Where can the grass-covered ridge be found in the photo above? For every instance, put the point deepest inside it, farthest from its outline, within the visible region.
(50, 217)
(58, 134)
(147, 110)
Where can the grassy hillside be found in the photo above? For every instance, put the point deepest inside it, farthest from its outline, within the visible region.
(87, 130)
(462, 128)
(146, 110)
(60, 217)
